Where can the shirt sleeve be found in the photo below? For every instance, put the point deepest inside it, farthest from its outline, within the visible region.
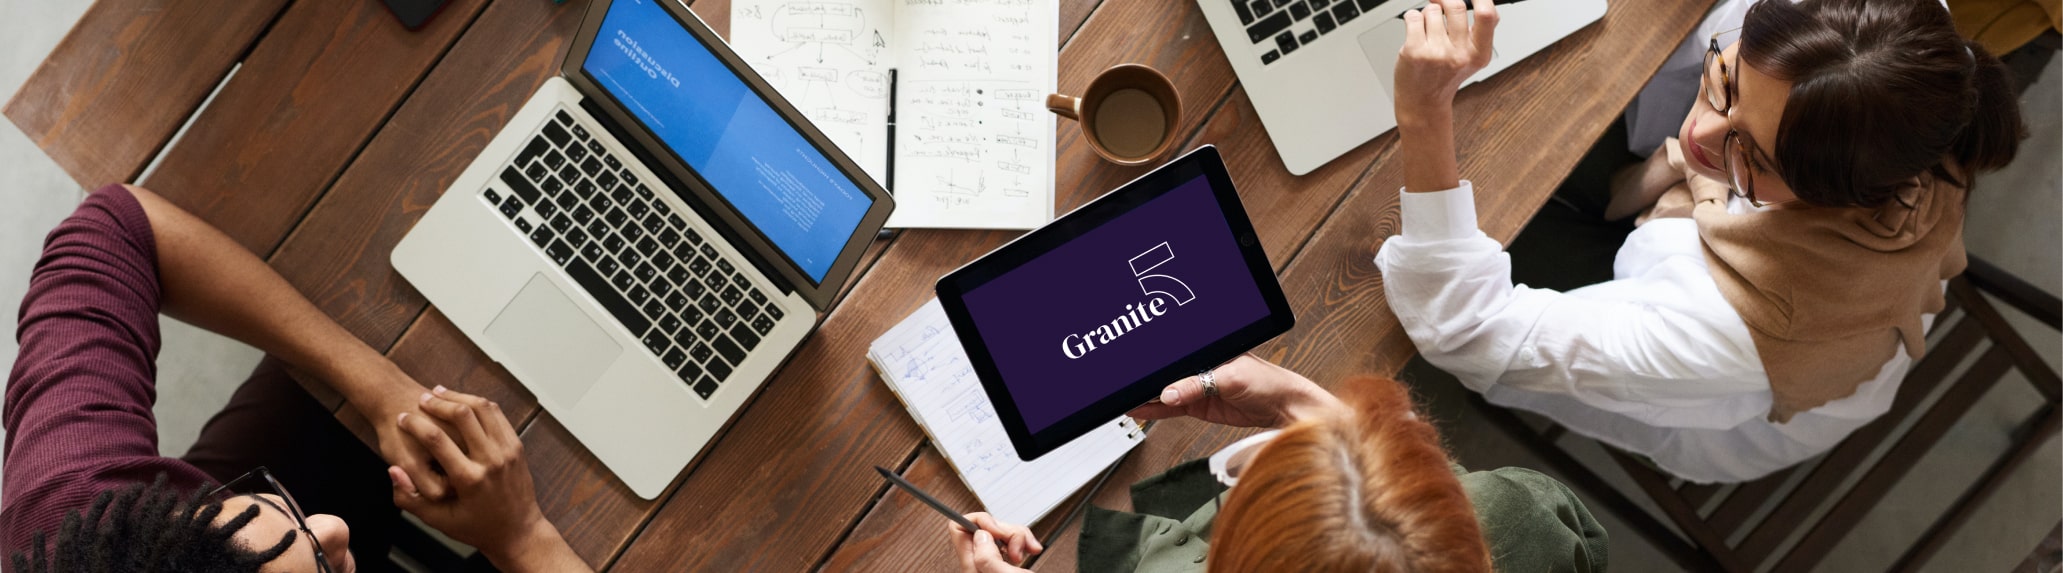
(78, 411)
(1648, 346)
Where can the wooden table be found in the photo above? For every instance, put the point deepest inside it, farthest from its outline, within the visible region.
(339, 128)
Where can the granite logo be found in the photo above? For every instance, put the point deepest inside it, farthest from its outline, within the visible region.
(1158, 288)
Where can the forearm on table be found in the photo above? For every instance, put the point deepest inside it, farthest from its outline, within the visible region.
(1426, 138)
(211, 281)
(542, 549)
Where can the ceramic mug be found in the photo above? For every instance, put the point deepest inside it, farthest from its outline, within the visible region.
(1128, 114)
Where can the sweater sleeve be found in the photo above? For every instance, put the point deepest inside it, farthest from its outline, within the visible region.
(78, 410)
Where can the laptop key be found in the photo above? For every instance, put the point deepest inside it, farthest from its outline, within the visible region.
(705, 387)
(671, 323)
(646, 272)
(1271, 57)
(679, 275)
(700, 267)
(510, 207)
(616, 217)
(568, 172)
(724, 318)
(701, 352)
(1308, 36)
(598, 288)
(1246, 16)
(678, 300)
(632, 233)
(560, 223)
(1299, 11)
(638, 210)
(620, 194)
(690, 314)
(593, 251)
(1268, 26)
(519, 185)
(545, 208)
(719, 370)
(608, 267)
(1324, 22)
(534, 150)
(775, 312)
(543, 237)
(492, 197)
(611, 162)
(674, 358)
(576, 237)
(656, 341)
(596, 146)
(708, 304)
(560, 252)
(631, 259)
(654, 308)
(1345, 12)
(580, 132)
(643, 191)
(694, 289)
(1318, 6)
(727, 349)
(646, 245)
(622, 280)
(591, 167)
(689, 371)
(563, 118)
(576, 153)
(707, 330)
(582, 215)
(553, 160)
(1286, 42)
(522, 225)
(612, 243)
(756, 296)
(1367, 5)
(608, 178)
(537, 172)
(731, 295)
(725, 266)
(566, 201)
(557, 134)
(762, 325)
(744, 336)
(637, 295)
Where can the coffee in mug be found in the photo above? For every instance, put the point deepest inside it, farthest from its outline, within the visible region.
(1128, 114)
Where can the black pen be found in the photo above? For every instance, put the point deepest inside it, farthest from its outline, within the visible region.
(934, 503)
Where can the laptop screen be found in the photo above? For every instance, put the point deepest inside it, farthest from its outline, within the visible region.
(730, 136)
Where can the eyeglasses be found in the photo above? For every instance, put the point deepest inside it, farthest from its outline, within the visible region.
(1228, 463)
(262, 478)
(1721, 91)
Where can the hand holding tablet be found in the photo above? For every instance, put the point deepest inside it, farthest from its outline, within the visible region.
(1074, 323)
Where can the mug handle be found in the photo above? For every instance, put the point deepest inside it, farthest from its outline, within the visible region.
(1066, 106)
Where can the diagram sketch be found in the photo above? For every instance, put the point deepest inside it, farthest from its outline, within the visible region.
(830, 59)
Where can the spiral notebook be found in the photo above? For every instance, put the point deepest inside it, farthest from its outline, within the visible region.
(923, 364)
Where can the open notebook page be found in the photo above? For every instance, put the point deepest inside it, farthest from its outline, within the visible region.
(922, 362)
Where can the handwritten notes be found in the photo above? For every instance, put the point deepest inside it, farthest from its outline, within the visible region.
(972, 145)
(922, 362)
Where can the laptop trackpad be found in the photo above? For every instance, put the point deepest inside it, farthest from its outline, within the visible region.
(554, 347)
(1381, 45)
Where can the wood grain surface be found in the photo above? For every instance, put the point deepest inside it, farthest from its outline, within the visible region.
(127, 75)
(325, 157)
(308, 97)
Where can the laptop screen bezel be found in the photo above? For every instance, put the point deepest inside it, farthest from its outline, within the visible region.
(745, 236)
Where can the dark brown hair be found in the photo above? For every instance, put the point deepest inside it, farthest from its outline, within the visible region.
(1367, 490)
(1883, 92)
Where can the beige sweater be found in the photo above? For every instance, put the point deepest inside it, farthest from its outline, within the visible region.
(1829, 294)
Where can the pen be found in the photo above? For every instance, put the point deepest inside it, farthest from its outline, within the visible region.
(933, 502)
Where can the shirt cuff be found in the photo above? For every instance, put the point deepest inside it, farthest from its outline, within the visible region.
(1439, 215)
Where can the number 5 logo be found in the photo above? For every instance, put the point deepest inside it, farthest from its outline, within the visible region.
(1158, 284)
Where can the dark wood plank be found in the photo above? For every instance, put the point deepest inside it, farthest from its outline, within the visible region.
(807, 442)
(1682, 513)
(127, 75)
(900, 532)
(309, 95)
(338, 255)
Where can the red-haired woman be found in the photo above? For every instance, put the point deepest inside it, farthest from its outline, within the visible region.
(1360, 485)
(1790, 259)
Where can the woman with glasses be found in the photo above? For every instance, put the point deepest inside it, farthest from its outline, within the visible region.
(1354, 485)
(85, 489)
(1791, 254)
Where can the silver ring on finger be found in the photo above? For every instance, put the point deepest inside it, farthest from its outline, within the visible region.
(1210, 383)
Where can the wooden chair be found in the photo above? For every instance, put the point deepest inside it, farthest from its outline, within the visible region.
(1750, 526)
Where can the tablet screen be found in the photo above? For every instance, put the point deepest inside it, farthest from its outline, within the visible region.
(1115, 304)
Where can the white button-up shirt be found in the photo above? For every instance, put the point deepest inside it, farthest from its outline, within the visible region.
(1654, 362)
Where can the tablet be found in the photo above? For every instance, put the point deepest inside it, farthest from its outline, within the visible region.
(1077, 322)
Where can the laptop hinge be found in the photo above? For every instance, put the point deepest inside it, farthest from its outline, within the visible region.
(666, 178)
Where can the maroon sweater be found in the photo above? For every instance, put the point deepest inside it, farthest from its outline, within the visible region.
(78, 404)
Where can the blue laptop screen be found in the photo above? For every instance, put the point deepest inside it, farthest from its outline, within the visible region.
(728, 134)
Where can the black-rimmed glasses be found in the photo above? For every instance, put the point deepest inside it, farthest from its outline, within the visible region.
(262, 478)
(1721, 90)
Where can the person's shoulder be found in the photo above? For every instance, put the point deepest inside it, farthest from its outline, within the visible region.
(1532, 521)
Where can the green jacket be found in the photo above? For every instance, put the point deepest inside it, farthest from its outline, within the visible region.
(1531, 522)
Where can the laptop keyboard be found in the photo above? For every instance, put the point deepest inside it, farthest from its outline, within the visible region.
(1290, 24)
(653, 271)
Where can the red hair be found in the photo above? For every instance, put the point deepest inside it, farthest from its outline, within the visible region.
(1366, 490)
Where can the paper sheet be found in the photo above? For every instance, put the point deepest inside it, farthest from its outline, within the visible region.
(973, 144)
(922, 361)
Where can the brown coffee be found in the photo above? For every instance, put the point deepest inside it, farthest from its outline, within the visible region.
(1130, 122)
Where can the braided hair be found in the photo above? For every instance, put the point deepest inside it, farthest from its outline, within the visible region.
(148, 529)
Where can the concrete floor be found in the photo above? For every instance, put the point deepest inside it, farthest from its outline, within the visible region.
(2013, 221)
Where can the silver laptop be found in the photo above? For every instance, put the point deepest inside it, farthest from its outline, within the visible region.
(1319, 72)
(652, 234)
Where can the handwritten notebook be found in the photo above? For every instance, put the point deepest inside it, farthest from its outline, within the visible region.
(942, 101)
(922, 362)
